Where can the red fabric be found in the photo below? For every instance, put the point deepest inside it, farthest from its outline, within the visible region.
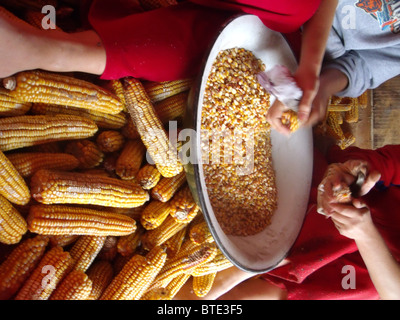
(282, 16)
(319, 254)
(170, 43)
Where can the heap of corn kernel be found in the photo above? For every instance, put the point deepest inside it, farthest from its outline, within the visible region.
(238, 170)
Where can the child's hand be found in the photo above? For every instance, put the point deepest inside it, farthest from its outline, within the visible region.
(274, 117)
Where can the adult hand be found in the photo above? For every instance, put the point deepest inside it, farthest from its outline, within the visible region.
(340, 176)
(274, 117)
(352, 220)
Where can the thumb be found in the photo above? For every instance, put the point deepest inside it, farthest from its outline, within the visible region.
(372, 178)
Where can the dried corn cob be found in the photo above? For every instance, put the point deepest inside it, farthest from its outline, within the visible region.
(127, 244)
(290, 120)
(347, 141)
(167, 187)
(19, 264)
(61, 220)
(87, 152)
(101, 119)
(218, 263)
(28, 163)
(200, 233)
(12, 185)
(363, 99)
(173, 244)
(12, 225)
(9, 106)
(150, 128)
(75, 286)
(85, 250)
(154, 214)
(101, 274)
(63, 240)
(118, 90)
(130, 159)
(352, 115)
(110, 141)
(176, 284)
(51, 187)
(183, 207)
(148, 176)
(161, 234)
(25, 131)
(172, 107)
(184, 262)
(203, 284)
(136, 276)
(333, 127)
(158, 91)
(129, 130)
(45, 87)
(109, 249)
(54, 265)
(157, 294)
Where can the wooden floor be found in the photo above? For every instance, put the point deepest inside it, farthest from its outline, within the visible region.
(379, 123)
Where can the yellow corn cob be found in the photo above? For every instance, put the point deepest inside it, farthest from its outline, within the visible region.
(183, 207)
(290, 120)
(75, 286)
(118, 90)
(28, 163)
(9, 106)
(148, 176)
(184, 262)
(333, 127)
(347, 140)
(363, 99)
(110, 141)
(176, 284)
(158, 91)
(109, 249)
(167, 187)
(63, 240)
(101, 119)
(172, 107)
(157, 294)
(101, 274)
(87, 152)
(12, 185)
(200, 233)
(128, 244)
(19, 264)
(29, 130)
(12, 225)
(62, 220)
(54, 265)
(218, 263)
(45, 87)
(161, 234)
(339, 107)
(85, 250)
(173, 244)
(150, 128)
(203, 284)
(130, 159)
(52, 187)
(154, 214)
(136, 276)
(352, 115)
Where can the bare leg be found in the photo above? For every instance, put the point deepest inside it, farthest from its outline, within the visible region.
(234, 284)
(25, 48)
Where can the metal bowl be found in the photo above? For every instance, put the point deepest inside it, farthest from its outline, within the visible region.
(292, 157)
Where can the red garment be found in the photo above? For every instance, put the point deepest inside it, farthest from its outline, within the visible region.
(319, 254)
(170, 43)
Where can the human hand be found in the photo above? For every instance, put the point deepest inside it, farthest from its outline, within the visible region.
(352, 220)
(338, 177)
(274, 117)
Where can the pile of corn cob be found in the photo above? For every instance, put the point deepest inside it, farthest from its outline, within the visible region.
(342, 111)
(84, 214)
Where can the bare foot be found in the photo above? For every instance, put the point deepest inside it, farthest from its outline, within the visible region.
(16, 50)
